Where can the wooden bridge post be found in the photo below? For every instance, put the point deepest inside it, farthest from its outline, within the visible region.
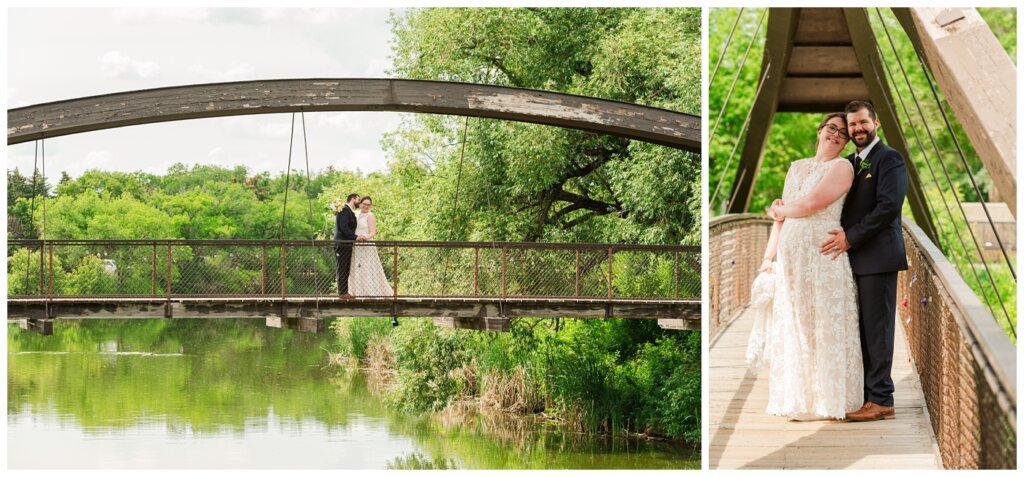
(778, 48)
(978, 80)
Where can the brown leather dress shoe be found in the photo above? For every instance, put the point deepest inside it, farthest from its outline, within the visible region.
(346, 296)
(871, 412)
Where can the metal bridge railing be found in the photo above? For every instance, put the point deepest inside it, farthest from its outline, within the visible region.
(288, 268)
(735, 242)
(966, 363)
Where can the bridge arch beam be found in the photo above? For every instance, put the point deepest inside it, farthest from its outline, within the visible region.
(633, 121)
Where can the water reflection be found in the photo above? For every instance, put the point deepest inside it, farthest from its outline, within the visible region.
(234, 394)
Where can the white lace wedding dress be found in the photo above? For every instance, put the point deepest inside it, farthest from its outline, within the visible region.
(811, 334)
(366, 276)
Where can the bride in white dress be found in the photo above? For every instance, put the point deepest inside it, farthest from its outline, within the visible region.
(810, 333)
(366, 276)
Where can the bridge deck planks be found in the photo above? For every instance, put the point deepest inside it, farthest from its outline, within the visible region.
(743, 436)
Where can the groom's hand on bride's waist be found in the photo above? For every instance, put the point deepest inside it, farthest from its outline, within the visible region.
(836, 245)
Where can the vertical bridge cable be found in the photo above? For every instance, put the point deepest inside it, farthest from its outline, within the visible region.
(32, 213)
(42, 235)
(945, 170)
(935, 180)
(967, 167)
(309, 199)
(917, 140)
(287, 178)
(746, 124)
(725, 47)
(735, 79)
(455, 208)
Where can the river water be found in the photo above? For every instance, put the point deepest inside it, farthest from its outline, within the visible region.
(234, 394)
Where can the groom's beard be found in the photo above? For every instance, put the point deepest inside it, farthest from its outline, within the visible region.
(870, 136)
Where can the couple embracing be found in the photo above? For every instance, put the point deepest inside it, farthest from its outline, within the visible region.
(825, 322)
(359, 271)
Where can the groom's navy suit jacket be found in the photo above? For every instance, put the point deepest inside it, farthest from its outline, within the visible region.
(871, 214)
(345, 224)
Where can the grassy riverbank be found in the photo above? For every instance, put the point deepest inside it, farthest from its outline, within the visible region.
(605, 376)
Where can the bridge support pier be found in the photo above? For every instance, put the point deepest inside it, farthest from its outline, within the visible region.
(482, 323)
(301, 319)
(679, 324)
(43, 326)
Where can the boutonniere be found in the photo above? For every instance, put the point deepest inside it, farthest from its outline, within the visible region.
(864, 164)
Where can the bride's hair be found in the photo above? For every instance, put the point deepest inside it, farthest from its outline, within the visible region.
(366, 197)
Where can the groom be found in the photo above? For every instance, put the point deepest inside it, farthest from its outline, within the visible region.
(873, 235)
(345, 229)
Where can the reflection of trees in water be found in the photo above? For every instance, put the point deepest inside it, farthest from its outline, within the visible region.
(418, 461)
(203, 377)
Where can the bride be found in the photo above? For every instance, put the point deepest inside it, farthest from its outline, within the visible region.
(366, 276)
(810, 333)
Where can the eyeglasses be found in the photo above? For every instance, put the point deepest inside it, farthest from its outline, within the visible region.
(832, 129)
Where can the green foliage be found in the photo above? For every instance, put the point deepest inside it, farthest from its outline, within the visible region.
(562, 185)
(606, 376)
(354, 334)
(427, 358)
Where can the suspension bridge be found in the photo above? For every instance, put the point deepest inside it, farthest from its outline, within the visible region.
(290, 283)
(954, 364)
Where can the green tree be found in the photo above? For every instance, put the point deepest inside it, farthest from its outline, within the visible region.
(560, 184)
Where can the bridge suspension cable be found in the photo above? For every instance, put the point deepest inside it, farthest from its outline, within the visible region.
(455, 208)
(963, 160)
(964, 253)
(736, 78)
(287, 178)
(32, 212)
(725, 47)
(309, 197)
(735, 147)
(949, 180)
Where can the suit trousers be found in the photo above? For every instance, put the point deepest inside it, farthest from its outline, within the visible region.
(343, 256)
(876, 297)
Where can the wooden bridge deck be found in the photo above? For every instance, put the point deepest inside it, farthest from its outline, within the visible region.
(743, 436)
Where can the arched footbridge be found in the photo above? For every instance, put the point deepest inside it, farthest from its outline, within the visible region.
(291, 283)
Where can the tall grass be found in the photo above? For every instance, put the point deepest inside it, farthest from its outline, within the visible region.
(606, 376)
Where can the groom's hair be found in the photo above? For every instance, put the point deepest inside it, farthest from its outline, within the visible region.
(351, 196)
(858, 105)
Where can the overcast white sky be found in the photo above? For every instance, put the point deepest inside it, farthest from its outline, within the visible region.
(63, 53)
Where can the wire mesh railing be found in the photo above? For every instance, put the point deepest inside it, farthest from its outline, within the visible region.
(966, 363)
(736, 241)
(289, 268)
